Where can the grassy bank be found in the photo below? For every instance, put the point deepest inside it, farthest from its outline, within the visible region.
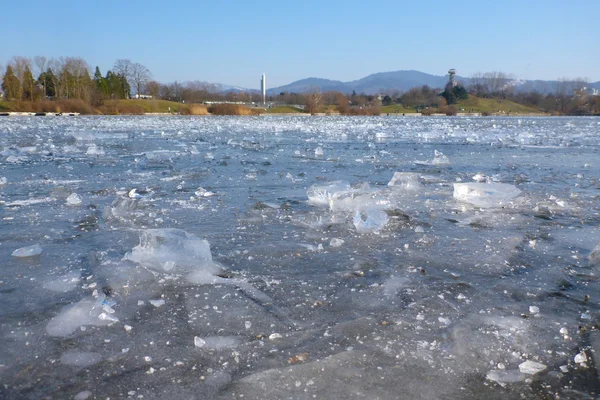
(139, 107)
(396, 109)
(284, 110)
(494, 106)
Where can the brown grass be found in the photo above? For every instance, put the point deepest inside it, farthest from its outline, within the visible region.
(56, 106)
(194, 109)
(365, 111)
(448, 110)
(113, 107)
(231, 109)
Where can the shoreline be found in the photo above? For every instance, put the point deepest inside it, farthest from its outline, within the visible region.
(74, 114)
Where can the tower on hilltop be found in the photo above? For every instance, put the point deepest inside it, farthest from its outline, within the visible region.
(452, 78)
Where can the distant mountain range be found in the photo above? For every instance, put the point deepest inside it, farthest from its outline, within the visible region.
(374, 83)
(387, 82)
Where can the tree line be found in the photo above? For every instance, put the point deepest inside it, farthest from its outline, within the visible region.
(40, 78)
(69, 78)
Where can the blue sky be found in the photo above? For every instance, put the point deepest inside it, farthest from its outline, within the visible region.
(234, 42)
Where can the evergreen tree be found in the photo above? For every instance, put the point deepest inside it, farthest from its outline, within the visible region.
(50, 83)
(28, 85)
(11, 86)
(100, 83)
(125, 88)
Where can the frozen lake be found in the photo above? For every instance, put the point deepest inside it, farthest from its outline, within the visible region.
(300, 258)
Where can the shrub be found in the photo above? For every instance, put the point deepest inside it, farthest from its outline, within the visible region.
(448, 110)
(194, 109)
(427, 111)
(231, 109)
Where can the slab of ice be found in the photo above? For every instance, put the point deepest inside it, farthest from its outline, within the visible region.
(86, 394)
(531, 367)
(355, 199)
(485, 195)
(29, 251)
(80, 359)
(174, 251)
(63, 284)
(84, 312)
(74, 199)
(217, 342)
(370, 220)
(321, 194)
(405, 180)
(505, 376)
(439, 159)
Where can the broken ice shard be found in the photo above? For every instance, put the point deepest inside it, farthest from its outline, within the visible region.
(485, 195)
(29, 251)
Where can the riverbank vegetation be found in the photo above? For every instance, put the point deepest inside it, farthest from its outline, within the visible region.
(66, 84)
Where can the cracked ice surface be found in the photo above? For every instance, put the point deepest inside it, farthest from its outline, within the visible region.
(293, 257)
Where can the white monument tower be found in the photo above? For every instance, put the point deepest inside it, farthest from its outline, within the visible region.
(263, 87)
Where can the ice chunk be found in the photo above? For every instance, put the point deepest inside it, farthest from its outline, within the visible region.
(480, 177)
(74, 199)
(321, 194)
(80, 359)
(485, 195)
(370, 220)
(531, 367)
(3, 180)
(319, 151)
(405, 180)
(84, 312)
(83, 395)
(580, 358)
(503, 377)
(157, 303)
(29, 251)
(94, 150)
(201, 192)
(217, 342)
(173, 250)
(356, 199)
(439, 158)
(336, 242)
(595, 255)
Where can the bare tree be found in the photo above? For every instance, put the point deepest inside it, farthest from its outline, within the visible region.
(123, 67)
(153, 88)
(314, 99)
(140, 75)
(40, 63)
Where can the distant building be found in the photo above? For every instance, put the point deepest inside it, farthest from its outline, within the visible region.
(142, 96)
(263, 87)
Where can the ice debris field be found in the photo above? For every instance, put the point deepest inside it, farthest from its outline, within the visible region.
(300, 258)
